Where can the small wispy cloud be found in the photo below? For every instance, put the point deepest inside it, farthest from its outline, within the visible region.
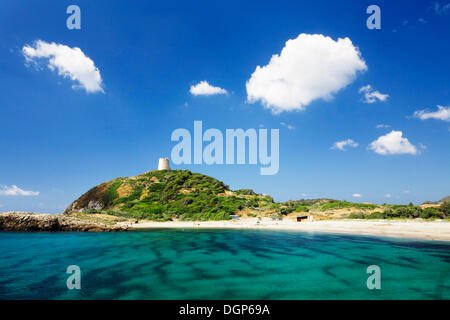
(341, 145)
(371, 96)
(16, 191)
(442, 113)
(356, 195)
(290, 127)
(388, 195)
(203, 88)
(382, 126)
(441, 9)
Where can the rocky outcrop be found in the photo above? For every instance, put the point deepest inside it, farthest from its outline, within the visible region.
(91, 206)
(28, 221)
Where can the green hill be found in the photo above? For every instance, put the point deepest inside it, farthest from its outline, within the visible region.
(184, 195)
(164, 195)
(446, 199)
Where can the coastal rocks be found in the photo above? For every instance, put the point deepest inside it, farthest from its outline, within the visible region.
(93, 200)
(91, 206)
(94, 205)
(71, 208)
(28, 221)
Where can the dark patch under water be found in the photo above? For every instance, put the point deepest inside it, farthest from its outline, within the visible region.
(220, 264)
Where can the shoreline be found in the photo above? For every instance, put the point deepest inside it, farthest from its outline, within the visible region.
(437, 230)
(421, 230)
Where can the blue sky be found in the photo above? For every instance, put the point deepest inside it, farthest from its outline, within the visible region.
(60, 141)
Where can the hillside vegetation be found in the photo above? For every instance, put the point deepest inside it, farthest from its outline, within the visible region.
(165, 195)
(408, 212)
(184, 195)
(329, 208)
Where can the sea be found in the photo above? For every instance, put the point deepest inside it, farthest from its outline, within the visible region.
(220, 264)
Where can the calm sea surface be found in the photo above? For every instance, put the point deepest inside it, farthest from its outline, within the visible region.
(220, 264)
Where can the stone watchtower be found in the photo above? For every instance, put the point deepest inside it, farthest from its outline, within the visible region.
(163, 164)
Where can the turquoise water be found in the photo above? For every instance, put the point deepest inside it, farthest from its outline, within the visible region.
(220, 264)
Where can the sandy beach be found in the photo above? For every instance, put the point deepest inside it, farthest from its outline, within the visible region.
(429, 230)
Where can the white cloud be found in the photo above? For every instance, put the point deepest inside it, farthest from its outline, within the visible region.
(340, 145)
(203, 88)
(382, 126)
(371, 96)
(393, 143)
(442, 113)
(16, 191)
(310, 67)
(356, 195)
(441, 9)
(290, 127)
(388, 195)
(69, 62)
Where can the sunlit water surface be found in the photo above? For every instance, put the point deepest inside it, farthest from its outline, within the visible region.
(220, 264)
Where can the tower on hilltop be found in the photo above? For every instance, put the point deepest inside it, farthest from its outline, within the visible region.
(163, 164)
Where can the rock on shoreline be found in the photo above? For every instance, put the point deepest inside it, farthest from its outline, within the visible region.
(29, 221)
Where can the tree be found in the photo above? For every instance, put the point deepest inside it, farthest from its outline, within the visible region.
(445, 208)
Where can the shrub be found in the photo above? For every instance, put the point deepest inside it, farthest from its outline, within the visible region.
(430, 213)
(375, 215)
(412, 212)
(286, 210)
(445, 209)
(248, 192)
(156, 187)
(356, 215)
(302, 208)
(111, 193)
